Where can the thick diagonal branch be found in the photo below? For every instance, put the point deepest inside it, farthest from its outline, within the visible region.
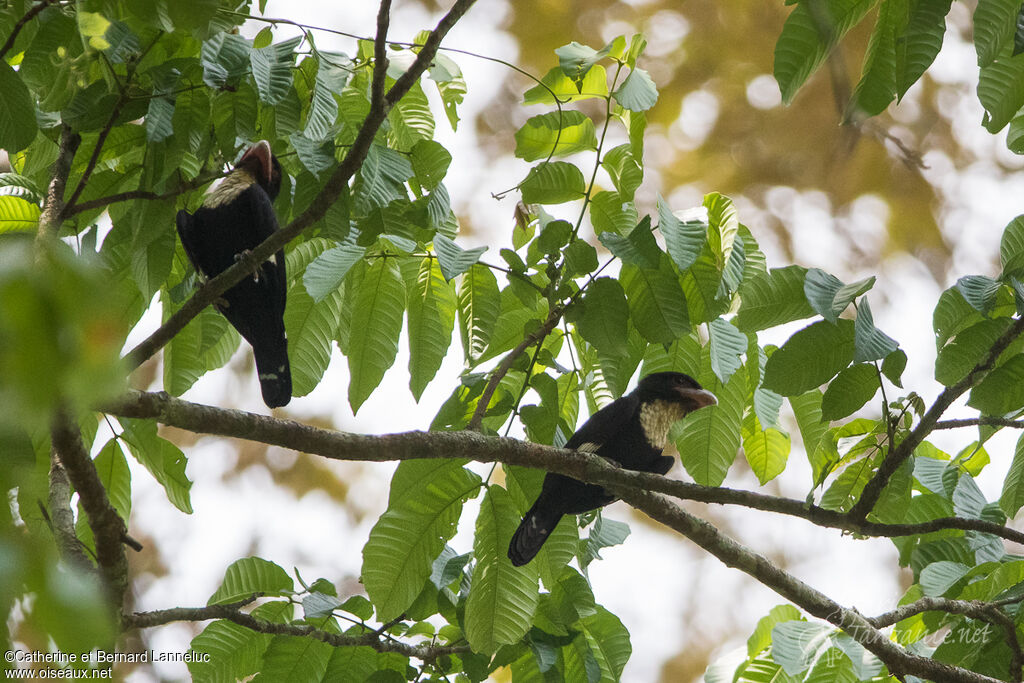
(873, 489)
(107, 527)
(330, 193)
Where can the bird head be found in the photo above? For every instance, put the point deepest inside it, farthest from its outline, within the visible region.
(674, 387)
(261, 163)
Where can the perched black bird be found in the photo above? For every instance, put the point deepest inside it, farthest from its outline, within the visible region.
(631, 432)
(235, 217)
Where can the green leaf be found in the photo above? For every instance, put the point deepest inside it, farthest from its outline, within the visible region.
(877, 86)
(479, 306)
(311, 326)
(225, 59)
(993, 28)
(272, 69)
(158, 119)
(502, 598)
(637, 92)
(625, 169)
(232, 652)
(18, 114)
(576, 59)
(605, 317)
(1002, 390)
(430, 162)
(727, 344)
(708, 439)
(610, 213)
(979, 291)
(807, 410)
(18, 214)
(1012, 498)
(965, 350)
(920, 42)
(849, 391)
(604, 534)
(638, 248)
(807, 37)
(377, 316)
(939, 577)
(609, 642)
(411, 120)
(164, 460)
(553, 182)
(870, 342)
(810, 358)
(684, 239)
(423, 512)
(828, 295)
(772, 299)
(1011, 247)
(431, 319)
(326, 273)
(323, 110)
(556, 85)
(1001, 91)
(112, 468)
(556, 133)
(453, 259)
(251, 576)
(291, 658)
(766, 450)
(656, 302)
(761, 638)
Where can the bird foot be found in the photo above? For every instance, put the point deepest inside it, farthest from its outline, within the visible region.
(246, 257)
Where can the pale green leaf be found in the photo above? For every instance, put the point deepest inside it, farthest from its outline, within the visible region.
(810, 358)
(553, 182)
(431, 319)
(556, 133)
(423, 513)
(251, 576)
(502, 598)
(377, 316)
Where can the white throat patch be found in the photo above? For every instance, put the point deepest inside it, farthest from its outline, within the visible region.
(656, 417)
(233, 185)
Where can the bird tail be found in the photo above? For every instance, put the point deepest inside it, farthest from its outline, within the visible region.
(535, 528)
(274, 371)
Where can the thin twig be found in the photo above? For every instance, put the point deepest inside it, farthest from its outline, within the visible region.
(101, 202)
(426, 653)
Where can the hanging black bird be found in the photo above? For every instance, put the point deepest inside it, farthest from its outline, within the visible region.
(235, 217)
(631, 432)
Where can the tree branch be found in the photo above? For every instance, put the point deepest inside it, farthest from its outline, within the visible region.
(426, 653)
(107, 526)
(53, 207)
(332, 189)
(898, 661)
(980, 421)
(62, 521)
(335, 445)
(101, 202)
(975, 609)
(896, 456)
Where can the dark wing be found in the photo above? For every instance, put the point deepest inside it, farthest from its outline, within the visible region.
(186, 230)
(604, 424)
